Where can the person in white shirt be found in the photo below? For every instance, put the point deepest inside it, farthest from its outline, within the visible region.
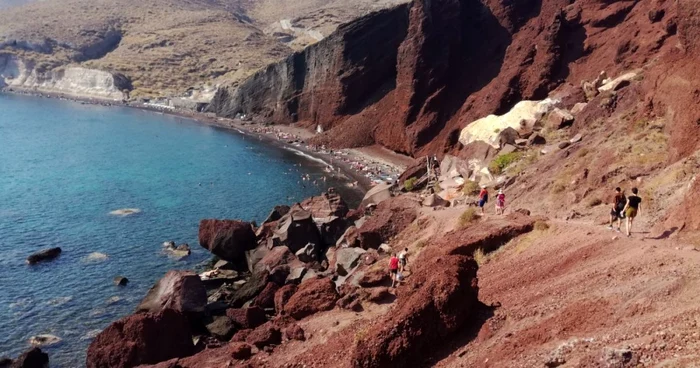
(403, 258)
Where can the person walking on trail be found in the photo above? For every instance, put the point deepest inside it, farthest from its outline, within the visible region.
(483, 198)
(394, 270)
(632, 209)
(403, 258)
(500, 202)
(617, 211)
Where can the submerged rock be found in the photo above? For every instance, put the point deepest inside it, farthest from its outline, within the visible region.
(45, 340)
(95, 257)
(123, 212)
(44, 255)
(121, 281)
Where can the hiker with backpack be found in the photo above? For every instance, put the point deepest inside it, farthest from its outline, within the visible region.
(617, 211)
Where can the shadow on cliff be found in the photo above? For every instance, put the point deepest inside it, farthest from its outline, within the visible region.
(471, 332)
(484, 42)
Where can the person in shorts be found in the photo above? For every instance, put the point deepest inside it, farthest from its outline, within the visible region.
(403, 259)
(616, 212)
(632, 209)
(483, 198)
(500, 202)
(394, 270)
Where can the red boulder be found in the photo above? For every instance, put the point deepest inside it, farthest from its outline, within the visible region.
(228, 239)
(247, 318)
(265, 335)
(266, 298)
(283, 295)
(141, 339)
(313, 296)
(388, 220)
(294, 332)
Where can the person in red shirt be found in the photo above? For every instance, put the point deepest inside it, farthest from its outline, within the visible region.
(483, 198)
(394, 269)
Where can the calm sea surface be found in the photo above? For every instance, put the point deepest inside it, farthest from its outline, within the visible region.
(65, 166)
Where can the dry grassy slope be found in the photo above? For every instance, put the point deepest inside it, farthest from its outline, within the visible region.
(166, 46)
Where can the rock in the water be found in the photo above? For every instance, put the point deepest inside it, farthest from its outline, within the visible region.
(313, 296)
(308, 254)
(121, 281)
(240, 350)
(182, 291)
(294, 332)
(44, 255)
(221, 328)
(146, 338)
(123, 212)
(95, 257)
(5, 362)
(328, 204)
(282, 296)
(266, 298)
(265, 335)
(44, 340)
(247, 318)
(296, 229)
(228, 239)
(32, 358)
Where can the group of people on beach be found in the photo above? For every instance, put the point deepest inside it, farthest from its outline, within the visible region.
(625, 208)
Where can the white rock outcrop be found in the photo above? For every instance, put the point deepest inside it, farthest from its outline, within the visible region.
(71, 81)
(522, 117)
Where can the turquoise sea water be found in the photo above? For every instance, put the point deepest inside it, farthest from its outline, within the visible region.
(64, 166)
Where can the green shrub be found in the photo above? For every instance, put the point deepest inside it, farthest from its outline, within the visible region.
(497, 166)
(467, 217)
(471, 188)
(410, 184)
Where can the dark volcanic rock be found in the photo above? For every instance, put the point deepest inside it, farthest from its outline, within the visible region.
(141, 339)
(121, 281)
(247, 318)
(333, 229)
(313, 296)
(276, 214)
(256, 283)
(221, 328)
(32, 358)
(295, 230)
(415, 171)
(44, 255)
(5, 362)
(277, 256)
(228, 239)
(182, 291)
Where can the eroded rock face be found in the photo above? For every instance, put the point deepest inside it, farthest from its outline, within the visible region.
(182, 291)
(283, 295)
(228, 239)
(296, 229)
(390, 218)
(141, 339)
(313, 296)
(32, 358)
(329, 204)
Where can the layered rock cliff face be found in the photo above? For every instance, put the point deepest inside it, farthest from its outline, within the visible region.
(327, 81)
(457, 61)
(19, 74)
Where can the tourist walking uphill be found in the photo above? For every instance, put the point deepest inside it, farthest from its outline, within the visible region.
(632, 209)
(617, 211)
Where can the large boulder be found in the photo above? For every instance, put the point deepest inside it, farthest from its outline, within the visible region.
(266, 298)
(507, 136)
(32, 358)
(221, 328)
(276, 214)
(378, 194)
(416, 171)
(296, 229)
(44, 255)
(246, 318)
(309, 253)
(558, 119)
(313, 296)
(277, 256)
(346, 259)
(329, 204)
(350, 238)
(182, 291)
(388, 220)
(228, 240)
(332, 229)
(141, 339)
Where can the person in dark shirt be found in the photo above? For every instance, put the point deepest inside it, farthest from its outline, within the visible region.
(632, 209)
(616, 213)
